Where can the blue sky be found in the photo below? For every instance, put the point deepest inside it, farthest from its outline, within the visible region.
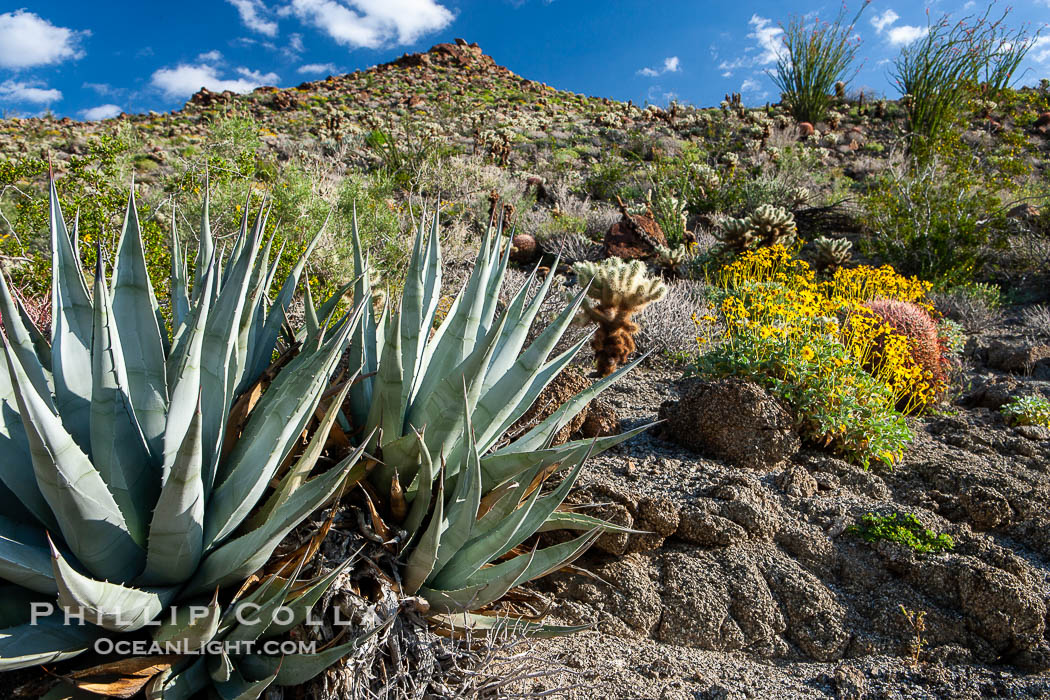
(95, 59)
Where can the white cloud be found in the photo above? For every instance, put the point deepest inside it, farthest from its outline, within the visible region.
(905, 34)
(768, 47)
(295, 43)
(769, 39)
(253, 13)
(210, 56)
(101, 112)
(671, 65)
(750, 85)
(26, 40)
(880, 22)
(372, 23)
(17, 91)
(317, 69)
(1040, 51)
(185, 79)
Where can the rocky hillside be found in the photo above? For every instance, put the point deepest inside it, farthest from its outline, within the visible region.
(758, 562)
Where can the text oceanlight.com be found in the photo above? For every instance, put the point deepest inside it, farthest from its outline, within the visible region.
(140, 647)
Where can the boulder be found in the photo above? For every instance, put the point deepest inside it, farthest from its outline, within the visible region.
(634, 236)
(734, 420)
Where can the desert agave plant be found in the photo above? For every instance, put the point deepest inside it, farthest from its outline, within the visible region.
(437, 404)
(132, 470)
(620, 291)
(766, 226)
(832, 253)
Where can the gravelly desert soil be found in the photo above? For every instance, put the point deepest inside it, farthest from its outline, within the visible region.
(750, 583)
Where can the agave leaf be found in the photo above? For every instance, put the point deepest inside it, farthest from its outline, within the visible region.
(421, 488)
(16, 468)
(456, 337)
(48, 641)
(277, 421)
(24, 557)
(21, 342)
(271, 587)
(251, 319)
(118, 446)
(497, 276)
(188, 630)
(240, 557)
(463, 508)
(109, 605)
(180, 682)
(186, 382)
(313, 326)
(517, 389)
(205, 244)
(237, 688)
(439, 410)
(253, 623)
(123, 678)
(365, 349)
(483, 593)
(88, 516)
(540, 435)
(180, 298)
(176, 531)
(540, 562)
(298, 669)
(306, 599)
(505, 463)
(70, 329)
(13, 508)
(519, 321)
(387, 412)
(136, 322)
(220, 347)
(296, 476)
(421, 561)
(279, 309)
(571, 520)
(413, 319)
(466, 621)
(514, 529)
(482, 549)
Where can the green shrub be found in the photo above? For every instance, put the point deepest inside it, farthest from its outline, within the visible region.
(815, 57)
(940, 219)
(1027, 410)
(904, 529)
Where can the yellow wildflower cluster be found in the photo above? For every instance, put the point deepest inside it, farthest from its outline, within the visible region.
(848, 374)
(780, 296)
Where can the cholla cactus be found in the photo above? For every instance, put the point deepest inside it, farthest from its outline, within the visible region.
(704, 175)
(621, 290)
(834, 119)
(766, 226)
(798, 196)
(832, 253)
(774, 225)
(674, 261)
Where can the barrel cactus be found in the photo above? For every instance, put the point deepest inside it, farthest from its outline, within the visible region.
(132, 468)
